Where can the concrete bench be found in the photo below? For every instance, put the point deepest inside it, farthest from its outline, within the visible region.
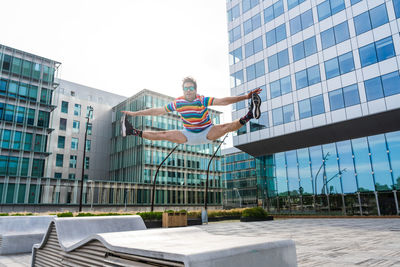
(189, 246)
(19, 233)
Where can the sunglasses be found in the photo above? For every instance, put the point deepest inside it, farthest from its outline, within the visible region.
(190, 88)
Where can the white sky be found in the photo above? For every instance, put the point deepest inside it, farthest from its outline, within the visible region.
(124, 46)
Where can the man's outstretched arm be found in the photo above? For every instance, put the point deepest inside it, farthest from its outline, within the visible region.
(233, 99)
(146, 112)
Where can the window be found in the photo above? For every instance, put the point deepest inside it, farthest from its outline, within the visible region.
(344, 97)
(248, 4)
(273, 11)
(292, 3)
(59, 160)
(88, 145)
(304, 49)
(75, 127)
(6, 139)
(376, 52)
(61, 141)
(43, 119)
(74, 143)
(234, 34)
(329, 8)
(64, 107)
(371, 19)
(311, 106)
(385, 85)
(72, 161)
(71, 176)
(307, 77)
(277, 116)
(339, 65)
(253, 47)
(86, 163)
(301, 22)
(17, 140)
(280, 87)
(278, 60)
(252, 24)
(89, 111)
(89, 128)
(256, 70)
(261, 123)
(77, 109)
(353, 2)
(335, 35)
(63, 124)
(235, 56)
(58, 175)
(237, 78)
(396, 5)
(288, 113)
(234, 13)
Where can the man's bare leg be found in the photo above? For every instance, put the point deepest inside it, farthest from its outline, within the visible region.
(220, 130)
(172, 136)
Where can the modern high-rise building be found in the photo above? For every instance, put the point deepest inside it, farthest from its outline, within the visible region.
(26, 88)
(181, 179)
(329, 70)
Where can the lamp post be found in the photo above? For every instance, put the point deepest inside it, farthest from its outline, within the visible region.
(92, 192)
(84, 155)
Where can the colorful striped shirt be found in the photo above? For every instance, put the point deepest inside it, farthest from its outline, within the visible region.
(194, 114)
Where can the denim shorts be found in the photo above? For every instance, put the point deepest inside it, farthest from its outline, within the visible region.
(197, 138)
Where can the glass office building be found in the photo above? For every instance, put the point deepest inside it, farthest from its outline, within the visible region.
(182, 178)
(329, 70)
(26, 88)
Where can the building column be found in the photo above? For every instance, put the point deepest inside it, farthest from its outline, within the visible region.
(344, 205)
(396, 202)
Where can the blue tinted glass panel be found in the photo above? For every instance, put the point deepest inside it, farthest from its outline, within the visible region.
(301, 79)
(305, 171)
(354, 1)
(247, 27)
(235, 56)
(288, 113)
(396, 5)
(368, 55)
(332, 180)
(317, 105)
(385, 48)
(304, 108)
(380, 162)
(246, 5)
(351, 96)
(342, 32)
(280, 33)
(251, 73)
(277, 116)
(268, 14)
(310, 46)
(283, 58)
(346, 166)
(362, 164)
(391, 83)
(298, 51)
(332, 68)
(292, 172)
(249, 49)
(292, 3)
(307, 19)
(316, 162)
(280, 166)
(258, 45)
(362, 23)
(273, 63)
(346, 63)
(378, 16)
(256, 22)
(295, 25)
(275, 89)
(324, 10)
(271, 37)
(327, 38)
(286, 85)
(337, 6)
(278, 8)
(373, 88)
(313, 75)
(393, 142)
(260, 68)
(336, 99)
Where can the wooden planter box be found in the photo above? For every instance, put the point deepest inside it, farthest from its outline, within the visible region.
(174, 219)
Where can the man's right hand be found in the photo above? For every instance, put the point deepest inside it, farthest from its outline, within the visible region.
(129, 113)
(255, 91)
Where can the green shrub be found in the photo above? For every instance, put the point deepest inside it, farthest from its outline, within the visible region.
(85, 214)
(183, 211)
(21, 214)
(3, 214)
(65, 214)
(169, 211)
(256, 212)
(194, 214)
(150, 215)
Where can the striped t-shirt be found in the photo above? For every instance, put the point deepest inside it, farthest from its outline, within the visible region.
(194, 114)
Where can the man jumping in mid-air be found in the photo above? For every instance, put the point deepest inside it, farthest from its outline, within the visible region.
(198, 128)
